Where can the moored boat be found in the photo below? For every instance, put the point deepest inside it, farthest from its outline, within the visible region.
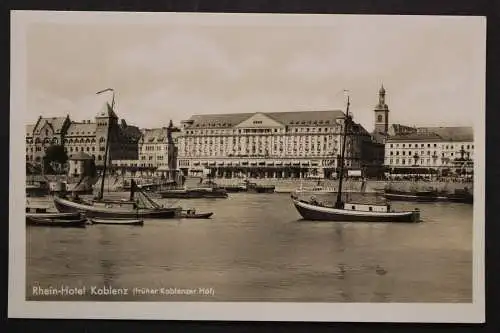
(193, 193)
(55, 222)
(420, 196)
(191, 214)
(342, 211)
(354, 212)
(113, 211)
(116, 221)
(257, 188)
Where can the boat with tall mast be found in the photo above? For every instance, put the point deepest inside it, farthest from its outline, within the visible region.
(141, 207)
(350, 211)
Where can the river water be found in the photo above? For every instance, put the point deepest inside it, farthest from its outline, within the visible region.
(256, 248)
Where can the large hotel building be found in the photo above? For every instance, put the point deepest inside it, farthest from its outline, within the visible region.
(270, 145)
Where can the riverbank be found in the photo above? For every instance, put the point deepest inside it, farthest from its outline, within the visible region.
(115, 183)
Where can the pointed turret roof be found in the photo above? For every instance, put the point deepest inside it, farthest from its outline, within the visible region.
(107, 111)
(382, 89)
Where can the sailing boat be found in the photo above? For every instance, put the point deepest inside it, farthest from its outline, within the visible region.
(351, 211)
(144, 207)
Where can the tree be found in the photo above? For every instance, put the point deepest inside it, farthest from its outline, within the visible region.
(55, 157)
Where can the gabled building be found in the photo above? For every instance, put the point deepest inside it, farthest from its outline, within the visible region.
(87, 136)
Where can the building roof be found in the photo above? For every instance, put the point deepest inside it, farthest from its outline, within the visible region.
(57, 124)
(29, 130)
(80, 156)
(107, 111)
(296, 118)
(457, 134)
(154, 135)
(132, 132)
(80, 129)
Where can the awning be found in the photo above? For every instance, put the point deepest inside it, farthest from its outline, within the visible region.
(305, 163)
(229, 163)
(279, 163)
(220, 163)
(262, 163)
(196, 163)
(270, 163)
(211, 163)
(253, 163)
(288, 163)
(204, 163)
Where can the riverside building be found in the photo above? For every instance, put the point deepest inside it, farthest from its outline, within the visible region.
(157, 153)
(270, 145)
(430, 150)
(89, 137)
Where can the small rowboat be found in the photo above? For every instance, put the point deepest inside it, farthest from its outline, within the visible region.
(58, 216)
(191, 214)
(54, 222)
(117, 221)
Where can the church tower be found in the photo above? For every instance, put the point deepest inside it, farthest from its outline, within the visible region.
(381, 113)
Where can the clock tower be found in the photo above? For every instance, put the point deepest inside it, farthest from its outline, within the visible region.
(381, 114)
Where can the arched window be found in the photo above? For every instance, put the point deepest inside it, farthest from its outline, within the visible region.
(37, 140)
(379, 118)
(99, 157)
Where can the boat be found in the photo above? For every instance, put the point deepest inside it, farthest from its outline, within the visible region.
(191, 214)
(204, 190)
(136, 207)
(256, 188)
(37, 189)
(235, 188)
(420, 196)
(116, 221)
(120, 210)
(56, 222)
(193, 193)
(461, 196)
(342, 211)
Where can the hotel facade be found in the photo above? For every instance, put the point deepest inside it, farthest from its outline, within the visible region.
(270, 145)
(430, 150)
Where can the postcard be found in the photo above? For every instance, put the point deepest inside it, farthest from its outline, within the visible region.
(257, 167)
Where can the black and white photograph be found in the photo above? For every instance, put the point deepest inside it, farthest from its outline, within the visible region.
(285, 167)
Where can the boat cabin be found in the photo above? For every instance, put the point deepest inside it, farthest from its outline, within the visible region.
(364, 207)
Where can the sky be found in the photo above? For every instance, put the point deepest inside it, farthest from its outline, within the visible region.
(432, 68)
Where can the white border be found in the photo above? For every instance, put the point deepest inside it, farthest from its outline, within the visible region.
(347, 312)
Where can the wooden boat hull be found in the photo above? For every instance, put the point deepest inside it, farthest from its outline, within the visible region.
(47, 222)
(197, 215)
(193, 194)
(67, 206)
(260, 189)
(411, 197)
(59, 216)
(117, 221)
(319, 213)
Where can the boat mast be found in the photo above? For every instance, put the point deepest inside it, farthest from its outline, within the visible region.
(339, 204)
(101, 193)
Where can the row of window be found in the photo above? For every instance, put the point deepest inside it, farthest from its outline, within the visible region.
(429, 145)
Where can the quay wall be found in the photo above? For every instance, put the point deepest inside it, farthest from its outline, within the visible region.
(289, 185)
(115, 183)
